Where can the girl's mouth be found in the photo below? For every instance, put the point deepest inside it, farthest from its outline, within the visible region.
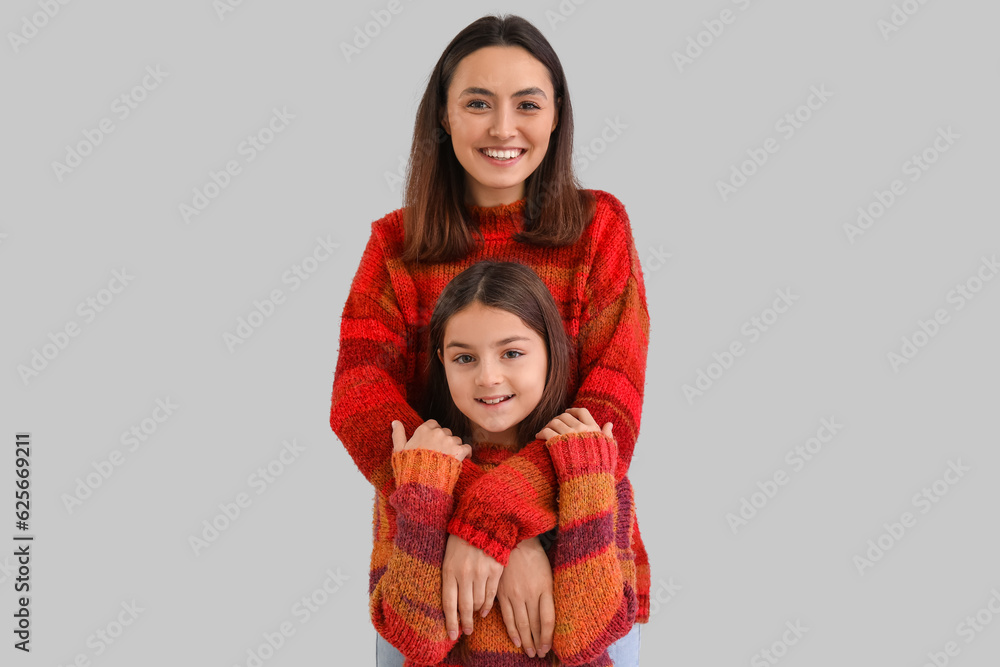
(494, 401)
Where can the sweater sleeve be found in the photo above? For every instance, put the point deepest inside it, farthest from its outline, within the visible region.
(612, 347)
(593, 567)
(512, 502)
(369, 381)
(614, 335)
(405, 601)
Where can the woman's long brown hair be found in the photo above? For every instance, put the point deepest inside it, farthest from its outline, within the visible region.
(437, 225)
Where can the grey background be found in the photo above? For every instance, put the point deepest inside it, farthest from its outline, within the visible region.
(325, 176)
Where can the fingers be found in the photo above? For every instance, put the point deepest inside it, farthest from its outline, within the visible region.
(534, 621)
(545, 434)
(507, 611)
(449, 599)
(524, 628)
(547, 619)
(478, 594)
(564, 423)
(465, 606)
(583, 414)
(607, 430)
(492, 584)
(398, 436)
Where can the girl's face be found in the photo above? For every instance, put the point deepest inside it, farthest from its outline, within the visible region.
(496, 367)
(500, 101)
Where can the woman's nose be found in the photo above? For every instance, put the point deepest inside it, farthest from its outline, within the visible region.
(503, 124)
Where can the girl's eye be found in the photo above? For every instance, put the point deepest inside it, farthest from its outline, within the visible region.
(515, 353)
(463, 358)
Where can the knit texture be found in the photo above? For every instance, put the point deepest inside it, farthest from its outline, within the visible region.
(593, 564)
(598, 287)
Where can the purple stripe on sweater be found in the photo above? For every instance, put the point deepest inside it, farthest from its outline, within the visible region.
(425, 503)
(624, 491)
(433, 613)
(373, 578)
(421, 541)
(584, 539)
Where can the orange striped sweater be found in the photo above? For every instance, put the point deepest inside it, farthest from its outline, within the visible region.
(593, 565)
(598, 287)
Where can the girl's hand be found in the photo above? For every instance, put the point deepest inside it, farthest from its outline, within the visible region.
(429, 435)
(469, 580)
(574, 420)
(525, 598)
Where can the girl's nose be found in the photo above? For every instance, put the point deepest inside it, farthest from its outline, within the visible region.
(489, 374)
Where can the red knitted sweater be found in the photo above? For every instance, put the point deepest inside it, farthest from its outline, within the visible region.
(593, 565)
(598, 287)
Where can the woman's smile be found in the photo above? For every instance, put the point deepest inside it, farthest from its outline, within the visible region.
(503, 157)
(500, 113)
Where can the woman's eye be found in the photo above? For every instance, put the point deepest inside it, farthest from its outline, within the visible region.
(474, 104)
(463, 358)
(531, 106)
(512, 354)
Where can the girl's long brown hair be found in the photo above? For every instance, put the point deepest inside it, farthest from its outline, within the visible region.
(437, 225)
(516, 289)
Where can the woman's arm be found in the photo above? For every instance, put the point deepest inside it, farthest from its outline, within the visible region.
(369, 381)
(405, 601)
(592, 564)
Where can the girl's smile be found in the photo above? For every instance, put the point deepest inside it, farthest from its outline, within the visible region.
(496, 368)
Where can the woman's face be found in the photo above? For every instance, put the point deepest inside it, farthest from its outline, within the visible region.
(496, 367)
(500, 99)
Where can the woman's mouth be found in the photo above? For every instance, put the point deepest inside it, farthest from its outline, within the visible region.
(508, 156)
(494, 400)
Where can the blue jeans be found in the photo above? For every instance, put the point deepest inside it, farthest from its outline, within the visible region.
(624, 652)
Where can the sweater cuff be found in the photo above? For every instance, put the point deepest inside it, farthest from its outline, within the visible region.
(499, 551)
(426, 467)
(575, 454)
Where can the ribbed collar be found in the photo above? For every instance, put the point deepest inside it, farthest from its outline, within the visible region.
(500, 220)
(491, 453)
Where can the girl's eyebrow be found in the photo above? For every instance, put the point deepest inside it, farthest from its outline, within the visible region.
(499, 343)
(489, 93)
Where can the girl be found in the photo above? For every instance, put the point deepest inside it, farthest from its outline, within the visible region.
(491, 176)
(498, 375)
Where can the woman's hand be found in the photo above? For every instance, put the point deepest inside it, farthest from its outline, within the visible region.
(525, 598)
(429, 435)
(469, 578)
(574, 420)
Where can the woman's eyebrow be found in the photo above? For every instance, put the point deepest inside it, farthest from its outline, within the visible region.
(520, 93)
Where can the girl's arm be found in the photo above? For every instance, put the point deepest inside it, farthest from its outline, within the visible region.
(612, 346)
(405, 600)
(593, 567)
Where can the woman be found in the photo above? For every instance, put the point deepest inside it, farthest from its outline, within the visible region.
(491, 177)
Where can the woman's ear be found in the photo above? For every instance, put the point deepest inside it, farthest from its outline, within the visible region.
(440, 356)
(445, 124)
